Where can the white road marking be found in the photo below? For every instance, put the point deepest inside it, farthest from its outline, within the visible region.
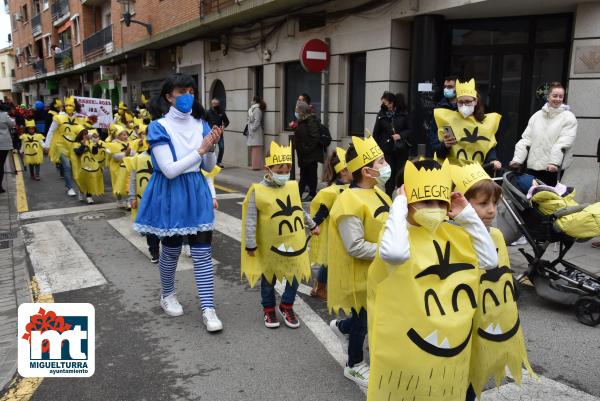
(532, 389)
(58, 261)
(66, 210)
(123, 227)
(228, 225)
(234, 195)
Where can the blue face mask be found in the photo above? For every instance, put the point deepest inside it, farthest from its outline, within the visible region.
(297, 115)
(184, 102)
(449, 93)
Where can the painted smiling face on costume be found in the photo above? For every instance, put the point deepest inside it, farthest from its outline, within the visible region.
(182, 99)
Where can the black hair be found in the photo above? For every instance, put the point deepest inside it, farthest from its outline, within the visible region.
(4, 107)
(81, 134)
(390, 97)
(351, 154)
(451, 77)
(306, 97)
(401, 103)
(159, 106)
(52, 105)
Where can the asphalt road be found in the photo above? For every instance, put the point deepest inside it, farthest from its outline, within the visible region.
(142, 354)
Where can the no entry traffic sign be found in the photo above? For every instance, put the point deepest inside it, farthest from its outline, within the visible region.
(314, 55)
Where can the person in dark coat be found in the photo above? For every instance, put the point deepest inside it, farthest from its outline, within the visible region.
(393, 133)
(308, 148)
(448, 101)
(216, 116)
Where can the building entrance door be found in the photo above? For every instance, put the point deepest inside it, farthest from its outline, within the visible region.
(512, 60)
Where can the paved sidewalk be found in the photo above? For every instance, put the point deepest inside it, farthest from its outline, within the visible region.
(14, 278)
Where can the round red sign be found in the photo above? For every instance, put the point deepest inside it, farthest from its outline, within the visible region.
(314, 55)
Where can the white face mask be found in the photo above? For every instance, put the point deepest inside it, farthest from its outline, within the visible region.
(466, 111)
(280, 179)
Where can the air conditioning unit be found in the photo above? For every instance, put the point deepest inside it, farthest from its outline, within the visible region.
(18, 17)
(150, 60)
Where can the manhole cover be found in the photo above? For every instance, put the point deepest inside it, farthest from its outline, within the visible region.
(91, 216)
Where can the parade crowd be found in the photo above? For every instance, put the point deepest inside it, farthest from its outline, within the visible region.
(405, 247)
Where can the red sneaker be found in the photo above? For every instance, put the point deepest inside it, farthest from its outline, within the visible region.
(289, 316)
(271, 318)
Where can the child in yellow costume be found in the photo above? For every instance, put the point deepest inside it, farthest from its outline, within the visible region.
(355, 222)
(422, 290)
(337, 177)
(474, 132)
(119, 148)
(498, 341)
(90, 178)
(60, 139)
(274, 240)
(140, 169)
(119, 118)
(31, 148)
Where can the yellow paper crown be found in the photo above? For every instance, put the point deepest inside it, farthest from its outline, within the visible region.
(341, 164)
(122, 106)
(427, 184)
(464, 177)
(143, 99)
(57, 103)
(70, 101)
(29, 123)
(278, 154)
(367, 151)
(115, 129)
(466, 88)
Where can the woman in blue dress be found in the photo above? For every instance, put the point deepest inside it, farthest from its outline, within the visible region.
(177, 202)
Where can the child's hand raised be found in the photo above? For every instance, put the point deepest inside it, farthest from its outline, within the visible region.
(401, 191)
(251, 253)
(458, 203)
(315, 231)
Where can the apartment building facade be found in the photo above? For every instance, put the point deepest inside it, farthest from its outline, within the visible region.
(239, 48)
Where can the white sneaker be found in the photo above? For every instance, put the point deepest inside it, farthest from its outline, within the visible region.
(211, 321)
(520, 241)
(187, 251)
(71, 192)
(171, 306)
(341, 336)
(359, 374)
(89, 200)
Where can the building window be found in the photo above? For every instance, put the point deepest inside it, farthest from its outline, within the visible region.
(356, 111)
(28, 54)
(24, 13)
(36, 9)
(76, 32)
(3, 70)
(298, 81)
(46, 5)
(18, 60)
(48, 45)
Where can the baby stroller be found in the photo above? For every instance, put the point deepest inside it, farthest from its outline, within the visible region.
(557, 280)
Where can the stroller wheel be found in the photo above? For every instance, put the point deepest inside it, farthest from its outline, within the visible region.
(587, 310)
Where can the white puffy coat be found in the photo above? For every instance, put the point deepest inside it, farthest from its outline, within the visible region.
(549, 130)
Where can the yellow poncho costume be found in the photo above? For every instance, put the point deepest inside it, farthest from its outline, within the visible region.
(90, 178)
(421, 312)
(141, 163)
(64, 136)
(347, 276)
(31, 145)
(474, 139)
(325, 199)
(280, 233)
(118, 171)
(498, 341)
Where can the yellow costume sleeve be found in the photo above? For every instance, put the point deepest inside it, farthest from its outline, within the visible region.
(498, 341)
(280, 235)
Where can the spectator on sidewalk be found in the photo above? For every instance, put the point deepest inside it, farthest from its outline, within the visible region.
(308, 149)
(216, 116)
(448, 102)
(6, 143)
(255, 138)
(548, 138)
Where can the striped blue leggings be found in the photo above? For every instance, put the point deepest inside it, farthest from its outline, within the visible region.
(203, 267)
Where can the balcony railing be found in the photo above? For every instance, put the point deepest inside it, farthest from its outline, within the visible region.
(36, 24)
(64, 59)
(95, 45)
(39, 68)
(213, 6)
(60, 9)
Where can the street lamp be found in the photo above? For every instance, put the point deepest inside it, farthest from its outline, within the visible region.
(126, 11)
